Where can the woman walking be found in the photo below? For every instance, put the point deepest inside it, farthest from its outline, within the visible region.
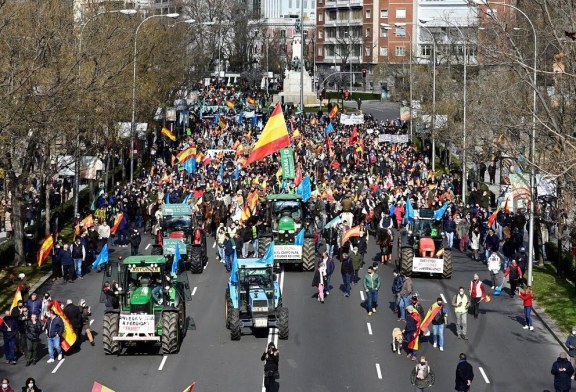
(526, 296)
(319, 280)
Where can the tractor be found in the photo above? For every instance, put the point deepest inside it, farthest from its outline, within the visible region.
(253, 298)
(284, 221)
(180, 226)
(152, 305)
(423, 247)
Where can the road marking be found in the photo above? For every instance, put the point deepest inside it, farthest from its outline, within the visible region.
(147, 246)
(484, 375)
(91, 321)
(194, 290)
(362, 294)
(58, 366)
(443, 298)
(369, 328)
(378, 371)
(163, 362)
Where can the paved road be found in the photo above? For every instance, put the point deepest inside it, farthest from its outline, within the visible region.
(333, 346)
(380, 110)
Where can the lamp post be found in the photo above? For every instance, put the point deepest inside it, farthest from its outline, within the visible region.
(77, 152)
(433, 121)
(349, 35)
(533, 135)
(133, 124)
(397, 25)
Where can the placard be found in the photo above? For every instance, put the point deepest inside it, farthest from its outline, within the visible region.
(136, 324)
(287, 159)
(287, 252)
(397, 139)
(428, 265)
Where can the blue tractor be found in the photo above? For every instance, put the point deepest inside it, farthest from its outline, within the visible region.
(253, 297)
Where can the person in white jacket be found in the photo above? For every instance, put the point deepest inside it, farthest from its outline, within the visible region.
(494, 266)
(475, 244)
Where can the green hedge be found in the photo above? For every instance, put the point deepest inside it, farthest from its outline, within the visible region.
(564, 262)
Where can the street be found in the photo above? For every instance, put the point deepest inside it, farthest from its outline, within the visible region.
(333, 346)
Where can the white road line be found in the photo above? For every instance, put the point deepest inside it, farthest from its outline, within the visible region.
(194, 290)
(369, 328)
(362, 294)
(58, 366)
(443, 298)
(378, 371)
(163, 362)
(484, 375)
(147, 246)
(91, 321)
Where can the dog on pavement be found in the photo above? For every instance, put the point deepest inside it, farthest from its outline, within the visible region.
(397, 338)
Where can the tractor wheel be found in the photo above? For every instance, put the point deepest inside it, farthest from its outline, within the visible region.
(227, 308)
(282, 324)
(156, 250)
(170, 333)
(308, 255)
(109, 330)
(263, 244)
(182, 317)
(406, 261)
(235, 324)
(448, 267)
(196, 259)
(204, 252)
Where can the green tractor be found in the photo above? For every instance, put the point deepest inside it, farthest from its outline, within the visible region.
(285, 221)
(152, 305)
(179, 226)
(423, 247)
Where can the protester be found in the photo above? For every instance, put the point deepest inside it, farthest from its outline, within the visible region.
(272, 360)
(319, 279)
(86, 313)
(461, 303)
(515, 273)
(54, 328)
(30, 386)
(438, 322)
(347, 271)
(5, 386)
(371, 285)
(422, 376)
(412, 332)
(34, 329)
(9, 328)
(464, 375)
(571, 344)
(526, 296)
(477, 293)
(562, 370)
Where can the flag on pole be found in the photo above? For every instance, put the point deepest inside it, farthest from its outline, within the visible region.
(333, 112)
(333, 223)
(272, 139)
(409, 213)
(230, 104)
(17, 297)
(234, 269)
(329, 128)
(117, 221)
(102, 257)
(222, 122)
(169, 134)
(432, 312)
(439, 213)
(298, 177)
(45, 249)
(251, 101)
(88, 221)
(190, 165)
(69, 336)
(353, 137)
(353, 232)
(97, 387)
(492, 218)
(299, 239)
(177, 257)
(268, 257)
(186, 154)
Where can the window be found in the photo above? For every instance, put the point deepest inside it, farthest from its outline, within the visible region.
(426, 50)
(282, 33)
(368, 33)
(331, 16)
(298, 4)
(331, 33)
(305, 4)
(383, 51)
(289, 3)
(320, 17)
(400, 14)
(368, 13)
(320, 1)
(400, 31)
(320, 34)
(383, 32)
(319, 51)
(367, 51)
(383, 14)
(400, 51)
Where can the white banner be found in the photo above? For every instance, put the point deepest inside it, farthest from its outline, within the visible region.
(386, 138)
(136, 323)
(287, 252)
(351, 119)
(427, 265)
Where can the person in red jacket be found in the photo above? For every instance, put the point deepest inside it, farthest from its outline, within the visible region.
(515, 273)
(477, 293)
(526, 296)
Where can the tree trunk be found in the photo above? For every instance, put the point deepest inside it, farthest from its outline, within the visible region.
(47, 209)
(17, 225)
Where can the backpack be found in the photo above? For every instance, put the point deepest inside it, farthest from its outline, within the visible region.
(397, 284)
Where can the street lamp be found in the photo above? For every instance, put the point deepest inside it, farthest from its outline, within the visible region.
(349, 35)
(397, 25)
(128, 12)
(433, 121)
(533, 136)
(464, 133)
(133, 125)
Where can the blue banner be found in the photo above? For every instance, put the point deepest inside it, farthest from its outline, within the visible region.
(305, 189)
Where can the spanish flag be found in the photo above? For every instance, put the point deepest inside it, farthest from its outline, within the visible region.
(333, 112)
(88, 221)
(117, 222)
(296, 134)
(240, 150)
(97, 387)
(492, 217)
(186, 154)
(353, 232)
(17, 297)
(222, 122)
(314, 121)
(430, 315)
(230, 104)
(251, 101)
(45, 249)
(189, 388)
(168, 133)
(252, 200)
(69, 336)
(506, 207)
(273, 138)
(246, 213)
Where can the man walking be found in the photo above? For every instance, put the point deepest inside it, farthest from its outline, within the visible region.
(422, 376)
(347, 271)
(9, 329)
(371, 285)
(33, 333)
(464, 375)
(78, 256)
(54, 328)
(135, 240)
(476, 294)
(461, 303)
(562, 370)
(515, 273)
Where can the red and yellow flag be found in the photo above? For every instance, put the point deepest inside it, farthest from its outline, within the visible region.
(222, 122)
(246, 214)
(117, 222)
(314, 121)
(190, 388)
(230, 104)
(69, 336)
(296, 134)
(45, 249)
(186, 154)
(333, 112)
(88, 221)
(492, 217)
(17, 297)
(252, 200)
(240, 150)
(236, 144)
(432, 312)
(273, 138)
(97, 387)
(169, 134)
(251, 101)
(353, 232)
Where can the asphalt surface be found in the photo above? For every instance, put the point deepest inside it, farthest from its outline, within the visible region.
(333, 346)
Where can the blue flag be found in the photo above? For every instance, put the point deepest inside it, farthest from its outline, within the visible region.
(177, 258)
(237, 172)
(241, 117)
(221, 172)
(305, 189)
(299, 240)
(234, 269)
(439, 213)
(190, 165)
(268, 257)
(187, 198)
(255, 120)
(409, 213)
(167, 201)
(216, 120)
(102, 257)
(329, 128)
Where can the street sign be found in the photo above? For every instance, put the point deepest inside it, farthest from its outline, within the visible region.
(287, 159)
